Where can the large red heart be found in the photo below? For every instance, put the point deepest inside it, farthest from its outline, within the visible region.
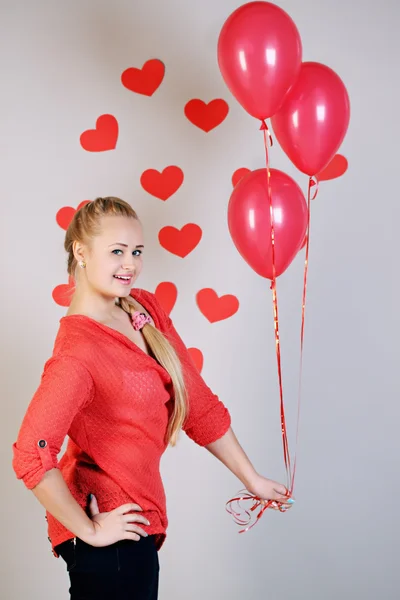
(336, 168)
(145, 80)
(180, 242)
(103, 138)
(62, 294)
(238, 175)
(166, 293)
(206, 116)
(197, 358)
(215, 308)
(162, 185)
(66, 214)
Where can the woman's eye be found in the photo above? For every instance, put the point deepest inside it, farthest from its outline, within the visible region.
(116, 250)
(137, 252)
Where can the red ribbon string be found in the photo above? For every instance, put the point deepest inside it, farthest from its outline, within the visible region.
(311, 184)
(242, 516)
(286, 453)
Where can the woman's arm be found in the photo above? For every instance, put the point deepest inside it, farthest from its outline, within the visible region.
(228, 450)
(53, 493)
(65, 389)
(209, 423)
(103, 529)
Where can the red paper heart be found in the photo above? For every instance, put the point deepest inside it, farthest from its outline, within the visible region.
(206, 116)
(162, 185)
(166, 293)
(145, 80)
(103, 138)
(215, 308)
(238, 175)
(197, 358)
(62, 294)
(66, 214)
(336, 168)
(180, 242)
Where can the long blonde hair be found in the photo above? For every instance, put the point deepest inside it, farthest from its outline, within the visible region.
(85, 225)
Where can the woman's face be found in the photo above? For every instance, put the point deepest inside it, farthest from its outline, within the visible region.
(114, 258)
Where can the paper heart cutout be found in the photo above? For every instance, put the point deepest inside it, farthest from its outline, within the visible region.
(336, 168)
(206, 116)
(66, 214)
(197, 358)
(103, 138)
(180, 241)
(215, 308)
(62, 294)
(162, 185)
(166, 293)
(239, 174)
(145, 80)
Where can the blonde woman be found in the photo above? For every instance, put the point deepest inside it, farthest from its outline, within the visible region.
(121, 384)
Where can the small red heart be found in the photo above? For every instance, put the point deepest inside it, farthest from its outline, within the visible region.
(206, 116)
(162, 185)
(145, 80)
(215, 308)
(180, 241)
(238, 175)
(104, 137)
(336, 168)
(197, 358)
(66, 214)
(166, 293)
(62, 294)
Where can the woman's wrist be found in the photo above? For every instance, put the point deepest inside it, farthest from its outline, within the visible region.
(88, 532)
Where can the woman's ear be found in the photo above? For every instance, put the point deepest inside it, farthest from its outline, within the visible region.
(79, 251)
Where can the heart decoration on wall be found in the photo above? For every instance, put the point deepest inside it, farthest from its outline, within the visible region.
(145, 80)
(216, 308)
(206, 116)
(166, 294)
(103, 138)
(197, 358)
(238, 175)
(66, 214)
(162, 185)
(62, 294)
(180, 241)
(336, 168)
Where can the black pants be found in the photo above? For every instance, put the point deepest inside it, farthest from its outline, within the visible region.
(126, 570)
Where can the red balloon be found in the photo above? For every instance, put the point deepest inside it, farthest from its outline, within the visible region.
(259, 55)
(314, 118)
(249, 220)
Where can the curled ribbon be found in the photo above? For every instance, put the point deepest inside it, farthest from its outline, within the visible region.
(244, 517)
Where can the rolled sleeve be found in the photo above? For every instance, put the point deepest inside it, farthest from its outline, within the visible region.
(66, 388)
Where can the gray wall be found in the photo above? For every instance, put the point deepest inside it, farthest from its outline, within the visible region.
(60, 68)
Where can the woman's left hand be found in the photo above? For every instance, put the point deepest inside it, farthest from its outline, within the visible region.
(267, 490)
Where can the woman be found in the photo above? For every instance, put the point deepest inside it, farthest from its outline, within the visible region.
(121, 384)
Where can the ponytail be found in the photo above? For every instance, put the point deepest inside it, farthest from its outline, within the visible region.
(165, 354)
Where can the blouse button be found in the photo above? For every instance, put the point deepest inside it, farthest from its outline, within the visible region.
(42, 443)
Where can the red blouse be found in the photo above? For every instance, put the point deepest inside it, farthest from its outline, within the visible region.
(113, 402)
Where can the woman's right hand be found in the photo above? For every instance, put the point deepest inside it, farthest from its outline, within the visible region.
(111, 527)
